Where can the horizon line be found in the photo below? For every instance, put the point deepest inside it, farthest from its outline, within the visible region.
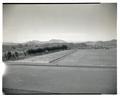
(61, 40)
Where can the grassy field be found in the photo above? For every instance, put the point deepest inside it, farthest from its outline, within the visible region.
(45, 58)
(61, 79)
(76, 57)
(63, 76)
(91, 57)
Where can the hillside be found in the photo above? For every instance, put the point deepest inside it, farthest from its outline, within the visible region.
(55, 42)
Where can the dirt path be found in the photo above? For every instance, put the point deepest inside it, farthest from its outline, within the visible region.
(62, 57)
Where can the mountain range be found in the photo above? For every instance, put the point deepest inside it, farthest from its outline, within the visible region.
(57, 41)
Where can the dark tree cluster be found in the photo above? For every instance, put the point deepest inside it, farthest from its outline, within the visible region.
(14, 55)
(46, 49)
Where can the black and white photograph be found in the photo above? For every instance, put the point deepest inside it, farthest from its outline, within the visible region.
(59, 48)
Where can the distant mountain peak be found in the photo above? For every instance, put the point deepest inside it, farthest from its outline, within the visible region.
(56, 41)
(34, 42)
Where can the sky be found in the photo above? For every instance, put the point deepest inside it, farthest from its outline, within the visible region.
(68, 22)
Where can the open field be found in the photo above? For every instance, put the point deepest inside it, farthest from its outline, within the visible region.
(47, 58)
(61, 79)
(91, 57)
(75, 57)
(79, 72)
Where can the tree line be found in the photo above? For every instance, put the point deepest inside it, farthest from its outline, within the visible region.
(13, 55)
